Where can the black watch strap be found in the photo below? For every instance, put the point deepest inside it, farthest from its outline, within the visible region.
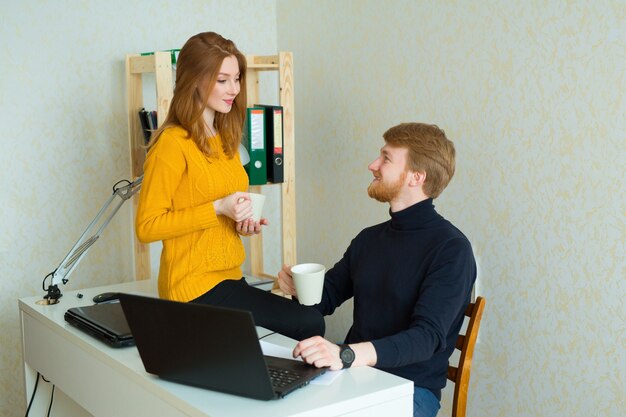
(346, 354)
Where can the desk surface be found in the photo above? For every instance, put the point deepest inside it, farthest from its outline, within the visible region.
(107, 381)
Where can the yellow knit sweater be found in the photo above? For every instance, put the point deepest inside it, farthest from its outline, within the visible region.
(200, 249)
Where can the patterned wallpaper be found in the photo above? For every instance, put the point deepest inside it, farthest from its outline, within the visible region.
(65, 143)
(532, 94)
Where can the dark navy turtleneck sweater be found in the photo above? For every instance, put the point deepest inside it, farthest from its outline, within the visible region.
(411, 278)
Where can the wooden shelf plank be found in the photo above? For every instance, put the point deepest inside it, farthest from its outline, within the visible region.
(140, 64)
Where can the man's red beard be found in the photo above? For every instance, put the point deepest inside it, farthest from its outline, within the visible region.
(384, 192)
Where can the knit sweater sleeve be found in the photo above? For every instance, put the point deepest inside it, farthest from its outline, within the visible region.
(156, 218)
(338, 286)
(442, 299)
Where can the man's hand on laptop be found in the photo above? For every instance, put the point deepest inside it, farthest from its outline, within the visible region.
(319, 352)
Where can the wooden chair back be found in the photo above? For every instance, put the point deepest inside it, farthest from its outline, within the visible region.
(460, 375)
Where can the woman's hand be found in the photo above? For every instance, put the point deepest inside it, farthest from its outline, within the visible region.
(285, 281)
(237, 206)
(249, 227)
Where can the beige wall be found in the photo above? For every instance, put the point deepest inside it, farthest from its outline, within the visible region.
(64, 140)
(532, 94)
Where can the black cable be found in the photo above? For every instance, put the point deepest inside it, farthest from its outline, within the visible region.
(51, 399)
(32, 397)
(44, 378)
(264, 336)
(119, 182)
(43, 284)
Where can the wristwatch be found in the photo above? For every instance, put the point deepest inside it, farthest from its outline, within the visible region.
(346, 354)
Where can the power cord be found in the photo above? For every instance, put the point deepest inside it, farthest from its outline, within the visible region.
(32, 397)
(264, 336)
(51, 399)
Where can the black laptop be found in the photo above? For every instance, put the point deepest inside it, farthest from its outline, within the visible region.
(104, 321)
(210, 347)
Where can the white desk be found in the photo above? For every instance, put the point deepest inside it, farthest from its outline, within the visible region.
(94, 379)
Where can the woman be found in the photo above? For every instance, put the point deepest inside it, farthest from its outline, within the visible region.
(193, 195)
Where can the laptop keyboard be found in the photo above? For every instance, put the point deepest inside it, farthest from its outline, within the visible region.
(282, 377)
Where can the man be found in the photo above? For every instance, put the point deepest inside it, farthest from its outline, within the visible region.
(411, 277)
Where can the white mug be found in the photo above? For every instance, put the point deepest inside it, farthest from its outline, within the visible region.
(257, 200)
(309, 282)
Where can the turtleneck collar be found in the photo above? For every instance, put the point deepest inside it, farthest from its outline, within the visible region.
(415, 216)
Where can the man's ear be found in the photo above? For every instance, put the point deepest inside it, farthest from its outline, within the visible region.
(417, 179)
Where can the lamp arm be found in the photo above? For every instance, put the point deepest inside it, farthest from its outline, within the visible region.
(89, 237)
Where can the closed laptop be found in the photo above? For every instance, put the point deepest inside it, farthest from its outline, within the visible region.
(104, 321)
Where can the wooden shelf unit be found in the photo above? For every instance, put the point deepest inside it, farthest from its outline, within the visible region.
(160, 64)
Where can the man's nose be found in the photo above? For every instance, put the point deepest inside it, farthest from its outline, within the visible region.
(373, 166)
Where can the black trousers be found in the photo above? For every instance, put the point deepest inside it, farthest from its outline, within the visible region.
(275, 313)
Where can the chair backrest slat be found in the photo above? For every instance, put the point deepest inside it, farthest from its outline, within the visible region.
(460, 375)
(460, 341)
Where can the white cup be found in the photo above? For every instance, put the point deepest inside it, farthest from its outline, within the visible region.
(258, 200)
(309, 281)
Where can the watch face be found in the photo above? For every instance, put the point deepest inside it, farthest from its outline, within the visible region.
(347, 355)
